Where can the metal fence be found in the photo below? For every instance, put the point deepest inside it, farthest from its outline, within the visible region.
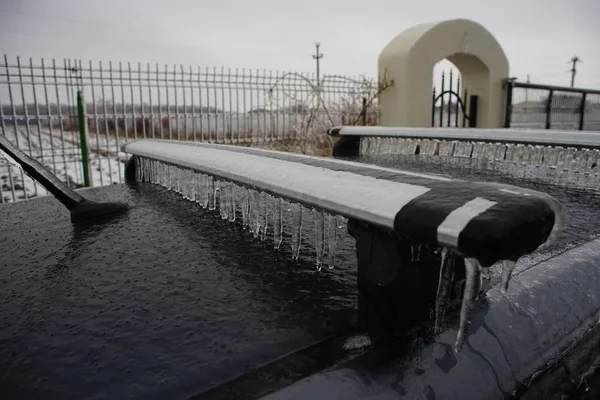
(451, 104)
(124, 101)
(551, 107)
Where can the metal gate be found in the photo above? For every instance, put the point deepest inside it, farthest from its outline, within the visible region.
(449, 109)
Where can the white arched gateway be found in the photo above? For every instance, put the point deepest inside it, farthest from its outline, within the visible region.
(409, 59)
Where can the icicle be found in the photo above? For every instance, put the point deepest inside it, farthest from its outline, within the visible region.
(146, 164)
(319, 237)
(175, 180)
(181, 182)
(159, 174)
(471, 290)
(142, 177)
(172, 183)
(431, 147)
(264, 215)
(177, 183)
(138, 169)
(507, 268)
(444, 287)
(560, 163)
(332, 228)
(254, 214)
(210, 192)
(233, 190)
(168, 174)
(224, 200)
(486, 280)
(445, 148)
(205, 190)
(477, 149)
(358, 341)
(245, 208)
(198, 184)
(296, 229)
(154, 175)
(187, 193)
(184, 186)
(415, 253)
(148, 171)
(190, 187)
(191, 182)
(216, 195)
(277, 207)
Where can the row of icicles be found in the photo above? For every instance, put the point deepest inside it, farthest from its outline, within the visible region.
(264, 215)
(261, 213)
(549, 163)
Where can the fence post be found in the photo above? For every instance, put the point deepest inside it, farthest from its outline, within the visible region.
(473, 103)
(582, 111)
(83, 139)
(509, 94)
(549, 110)
(433, 107)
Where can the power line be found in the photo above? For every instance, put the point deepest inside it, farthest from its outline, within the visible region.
(574, 60)
(318, 57)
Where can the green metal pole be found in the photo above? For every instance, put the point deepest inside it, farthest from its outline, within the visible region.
(85, 161)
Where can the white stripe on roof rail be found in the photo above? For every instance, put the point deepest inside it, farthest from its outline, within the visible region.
(449, 230)
(525, 136)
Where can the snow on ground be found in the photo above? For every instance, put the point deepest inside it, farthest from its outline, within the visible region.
(61, 153)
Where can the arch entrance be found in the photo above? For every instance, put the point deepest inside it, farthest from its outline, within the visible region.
(409, 59)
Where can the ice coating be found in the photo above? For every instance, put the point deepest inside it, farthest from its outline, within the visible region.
(444, 287)
(254, 207)
(261, 213)
(526, 136)
(507, 269)
(296, 210)
(319, 237)
(332, 227)
(486, 280)
(380, 197)
(331, 187)
(471, 291)
(556, 164)
(277, 207)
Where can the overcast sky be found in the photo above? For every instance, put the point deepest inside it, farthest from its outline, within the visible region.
(538, 36)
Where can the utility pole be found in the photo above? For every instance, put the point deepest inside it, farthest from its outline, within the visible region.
(317, 57)
(574, 60)
(527, 91)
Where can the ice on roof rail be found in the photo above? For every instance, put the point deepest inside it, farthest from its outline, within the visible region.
(576, 139)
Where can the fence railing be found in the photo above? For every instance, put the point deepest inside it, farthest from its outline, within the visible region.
(451, 104)
(124, 101)
(551, 107)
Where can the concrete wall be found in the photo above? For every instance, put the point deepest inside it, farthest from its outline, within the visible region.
(409, 60)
